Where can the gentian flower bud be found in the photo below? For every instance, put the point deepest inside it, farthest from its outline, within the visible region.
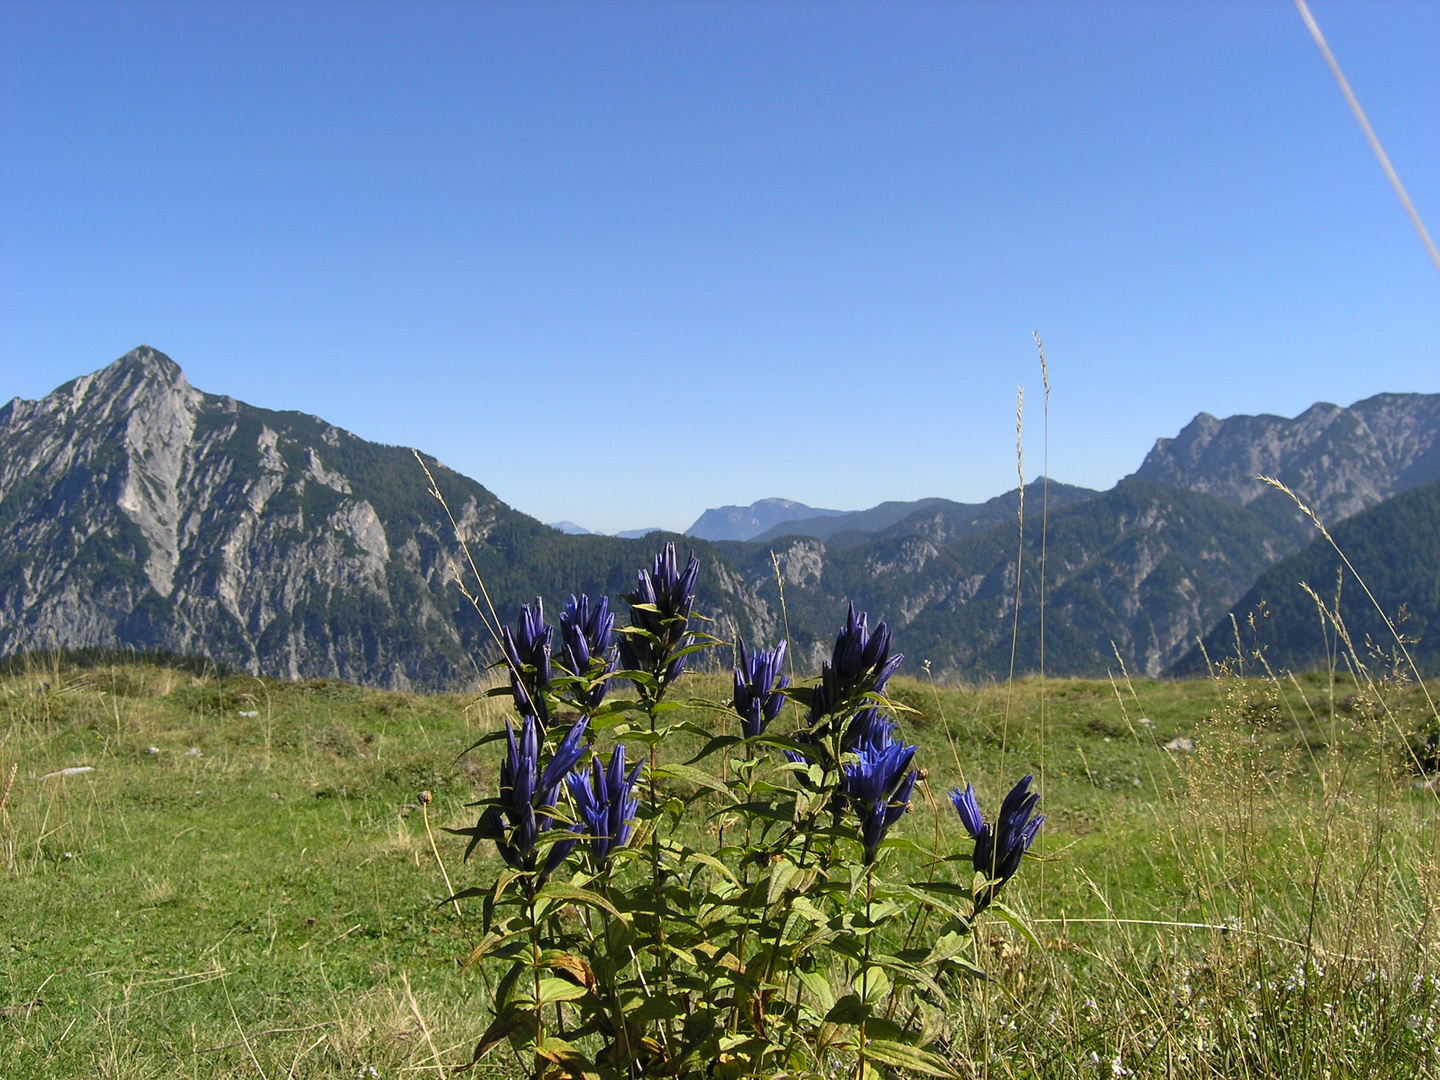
(660, 605)
(999, 848)
(878, 786)
(758, 683)
(527, 655)
(606, 801)
(860, 664)
(585, 630)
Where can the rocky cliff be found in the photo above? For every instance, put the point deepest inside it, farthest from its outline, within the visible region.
(137, 511)
(1340, 461)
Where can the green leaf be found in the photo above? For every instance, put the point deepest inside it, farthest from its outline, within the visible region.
(698, 777)
(1017, 922)
(557, 890)
(764, 810)
(905, 844)
(904, 1056)
(931, 901)
(563, 1053)
(719, 742)
(489, 942)
(712, 862)
(509, 1020)
(781, 875)
(944, 888)
(947, 945)
(848, 1010)
(552, 990)
(818, 985)
(569, 964)
(876, 983)
(656, 1008)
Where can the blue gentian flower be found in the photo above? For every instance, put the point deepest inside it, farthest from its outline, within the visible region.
(861, 663)
(585, 630)
(758, 683)
(867, 729)
(660, 605)
(878, 786)
(606, 802)
(999, 848)
(527, 655)
(527, 797)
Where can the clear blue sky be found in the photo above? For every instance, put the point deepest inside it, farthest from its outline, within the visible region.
(803, 245)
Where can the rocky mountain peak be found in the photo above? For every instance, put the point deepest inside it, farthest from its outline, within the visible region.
(1340, 460)
(137, 510)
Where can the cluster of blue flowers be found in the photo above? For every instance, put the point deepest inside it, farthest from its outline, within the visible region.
(528, 793)
(759, 688)
(999, 848)
(859, 664)
(606, 802)
(876, 777)
(586, 629)
(527, 656)
(660, 612)
(604, 798)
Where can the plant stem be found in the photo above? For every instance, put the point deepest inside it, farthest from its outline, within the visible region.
(865, 966)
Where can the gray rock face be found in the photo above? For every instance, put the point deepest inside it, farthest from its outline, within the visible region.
(1340, 461)
(136, 510)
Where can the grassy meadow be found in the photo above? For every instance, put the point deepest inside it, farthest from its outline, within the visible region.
(243, 884)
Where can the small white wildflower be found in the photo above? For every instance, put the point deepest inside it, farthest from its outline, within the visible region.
(1117, 1069)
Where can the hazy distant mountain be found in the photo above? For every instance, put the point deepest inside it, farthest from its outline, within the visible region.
(746, 522)
(1340, 461)
(938, 520)
(1394, 547)
(635, 534)
(824, 524)
(569, 528)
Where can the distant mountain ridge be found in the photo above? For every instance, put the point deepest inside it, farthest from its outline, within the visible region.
(938, 520)
(138, 511)
(747, 522)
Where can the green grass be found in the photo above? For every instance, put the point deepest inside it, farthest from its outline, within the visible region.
(259, 896)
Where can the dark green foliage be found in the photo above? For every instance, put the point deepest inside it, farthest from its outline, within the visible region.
(1394, 547)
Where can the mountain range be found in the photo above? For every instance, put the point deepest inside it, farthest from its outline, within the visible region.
(136, 510)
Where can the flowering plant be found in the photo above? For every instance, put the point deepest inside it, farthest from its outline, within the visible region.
(769, 943)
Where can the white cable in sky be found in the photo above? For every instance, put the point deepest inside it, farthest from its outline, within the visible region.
(1380, 154)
